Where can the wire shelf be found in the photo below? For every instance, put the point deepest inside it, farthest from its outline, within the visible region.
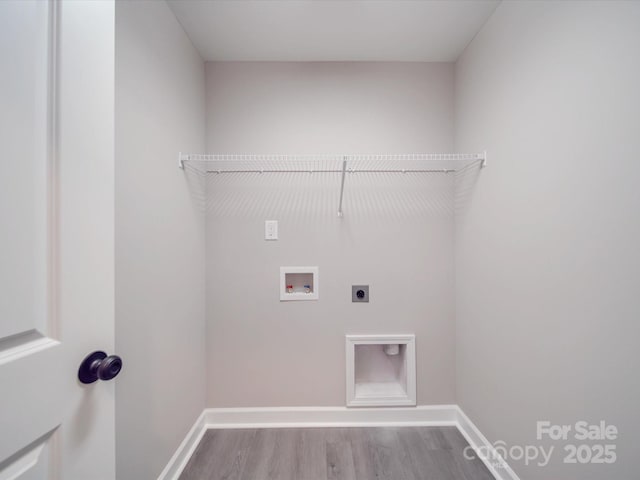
(407, 163)
(337, 164)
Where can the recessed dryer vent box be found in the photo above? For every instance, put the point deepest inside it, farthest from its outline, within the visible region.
(381, 370)
(299, 283)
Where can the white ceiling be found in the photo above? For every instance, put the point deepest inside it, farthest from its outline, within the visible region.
(332, 30)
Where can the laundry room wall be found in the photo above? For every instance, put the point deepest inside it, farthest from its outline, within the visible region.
(159, 110)
(396, 234)
(547, 252)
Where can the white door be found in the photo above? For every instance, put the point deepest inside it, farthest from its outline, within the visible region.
(56, 238)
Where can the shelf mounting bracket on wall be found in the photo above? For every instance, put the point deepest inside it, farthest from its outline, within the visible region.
(344, 171)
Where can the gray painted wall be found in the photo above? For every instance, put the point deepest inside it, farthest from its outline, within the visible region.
(547, 250)
(397, 233)
(160, 97)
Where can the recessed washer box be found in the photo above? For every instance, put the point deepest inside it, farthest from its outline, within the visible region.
(381, 370)
(299, 284)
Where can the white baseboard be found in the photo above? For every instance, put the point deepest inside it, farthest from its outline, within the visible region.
(312, 417)
(179, 460)
(493, 461)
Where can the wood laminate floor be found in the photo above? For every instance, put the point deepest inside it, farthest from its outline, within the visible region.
(389, 453)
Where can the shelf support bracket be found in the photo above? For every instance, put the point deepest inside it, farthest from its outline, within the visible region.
(180, 161)
(344, 171)
(484, 159)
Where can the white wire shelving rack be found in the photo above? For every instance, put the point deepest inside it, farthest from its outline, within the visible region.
(445, 163)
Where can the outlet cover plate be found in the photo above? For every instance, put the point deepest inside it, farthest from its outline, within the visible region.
(271, 230)
(360, 293)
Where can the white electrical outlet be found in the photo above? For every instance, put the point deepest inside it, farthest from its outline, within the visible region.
(270, 229)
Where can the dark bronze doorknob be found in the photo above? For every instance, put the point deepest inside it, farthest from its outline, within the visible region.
(99, 366)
